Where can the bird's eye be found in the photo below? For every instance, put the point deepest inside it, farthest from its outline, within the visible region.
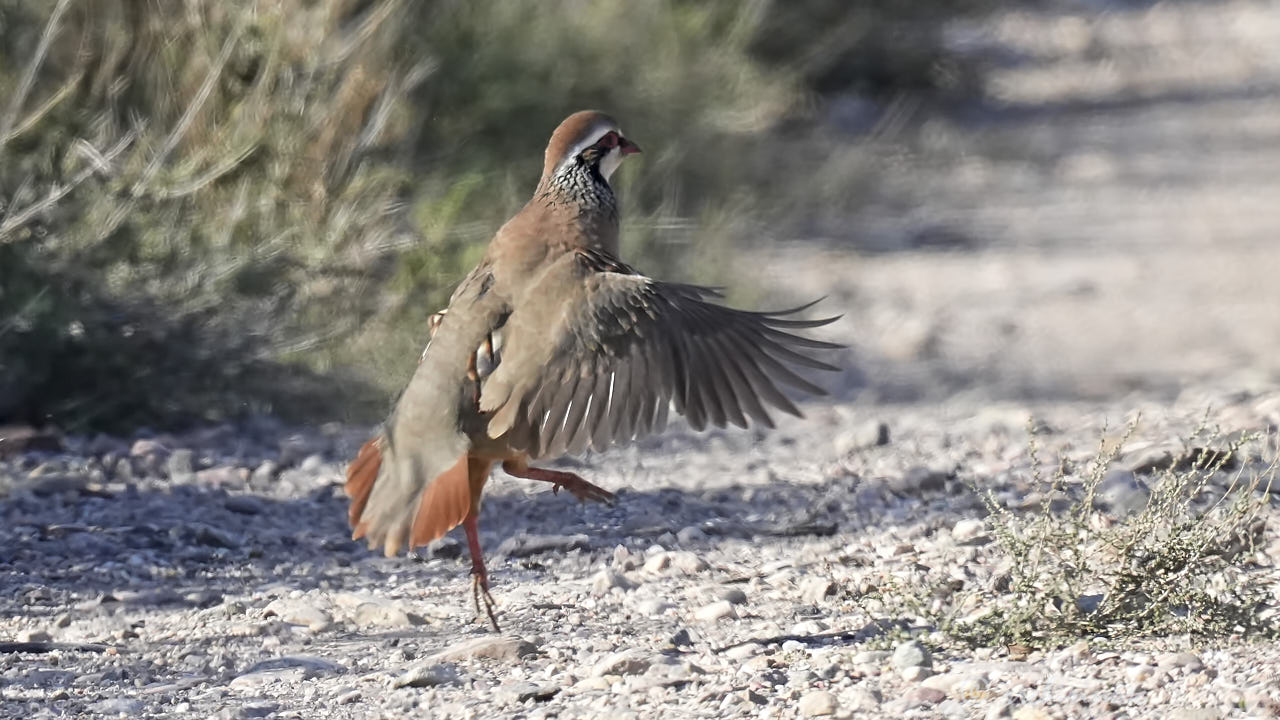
(609, 141)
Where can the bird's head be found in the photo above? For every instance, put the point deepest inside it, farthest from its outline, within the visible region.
(588, 139)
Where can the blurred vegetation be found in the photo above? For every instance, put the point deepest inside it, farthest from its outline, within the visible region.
(211, 207)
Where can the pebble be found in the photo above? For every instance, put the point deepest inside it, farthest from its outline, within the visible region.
(180, 464)
(225, 476)
(117, 706)
(687, 562)
(871, 657)
(526, 545)
(33, 636)
(147, 446)
(608, 579)
(734, 595)
(712, 612)
(657, 562)
(427, 674)
(691, 536)
(202, 598)
(867, 434)
(817, 704)
(384, 615)
(863, 700)
(347, 697)
(625, 662)
(263, 475)
(969, 531)
(918, 480)
(1138, 673)
(1193, 713)
(623, 559)
(911, 654)
(809, 627)
(1001, 707)
(915, 673)
(892, 550)
(300, 613)
(652, 607)
(506, 648)
(1122, 493)
(815, 590)
(922, 695)
(594, 683)
(522, 692)
(1190, 661)
(743, 651)
(1031, 712)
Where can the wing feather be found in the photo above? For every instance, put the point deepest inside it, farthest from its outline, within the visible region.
(600, 354)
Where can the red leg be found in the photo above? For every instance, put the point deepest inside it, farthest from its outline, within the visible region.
(479, 576)
(580, 488)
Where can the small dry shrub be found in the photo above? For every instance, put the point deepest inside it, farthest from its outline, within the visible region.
(1075, 567)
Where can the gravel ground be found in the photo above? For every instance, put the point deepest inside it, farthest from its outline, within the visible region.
(1108, 249)
(210, 575)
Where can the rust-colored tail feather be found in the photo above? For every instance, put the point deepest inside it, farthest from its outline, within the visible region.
(361, 475)
(448, 500)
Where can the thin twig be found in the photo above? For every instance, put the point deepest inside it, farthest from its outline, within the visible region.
(36, 115)
(189, 115)
(57, 192)
(122, 211)
(198, 183)
(12, 322)
(29, 74)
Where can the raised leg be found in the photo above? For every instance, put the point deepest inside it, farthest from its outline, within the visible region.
(479, 577)
(580, 488)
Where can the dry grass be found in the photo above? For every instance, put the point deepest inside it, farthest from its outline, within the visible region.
(1076, 568)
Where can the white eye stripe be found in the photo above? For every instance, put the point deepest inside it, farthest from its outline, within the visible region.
(598, 133)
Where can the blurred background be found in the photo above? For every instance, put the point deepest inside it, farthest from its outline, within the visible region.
(217, 207)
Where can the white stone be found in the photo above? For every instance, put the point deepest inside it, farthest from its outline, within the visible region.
(818, 703)
(968, 529)
(715, 611)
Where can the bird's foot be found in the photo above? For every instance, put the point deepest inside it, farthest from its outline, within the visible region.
(480, 593)
(580, 488)
(583, 490)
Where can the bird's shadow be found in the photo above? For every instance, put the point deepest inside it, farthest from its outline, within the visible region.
(192, 544)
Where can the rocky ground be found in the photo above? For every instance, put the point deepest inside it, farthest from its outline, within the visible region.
(1098, 243)
(210, 575)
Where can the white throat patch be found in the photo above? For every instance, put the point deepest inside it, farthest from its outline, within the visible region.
(610, 162)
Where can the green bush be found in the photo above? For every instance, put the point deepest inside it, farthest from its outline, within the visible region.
(299, 184)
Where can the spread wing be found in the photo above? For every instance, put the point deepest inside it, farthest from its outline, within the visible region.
(597, 353)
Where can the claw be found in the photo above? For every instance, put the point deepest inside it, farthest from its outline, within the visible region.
(580, 488)
(479, 576)
(480, 593)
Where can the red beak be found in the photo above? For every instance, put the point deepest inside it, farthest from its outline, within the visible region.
(627, 146)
